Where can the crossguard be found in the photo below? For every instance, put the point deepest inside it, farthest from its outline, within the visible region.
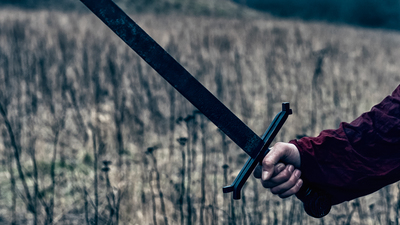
(251, 163)
(316, 203)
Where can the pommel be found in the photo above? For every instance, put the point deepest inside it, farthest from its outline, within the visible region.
(286, 107)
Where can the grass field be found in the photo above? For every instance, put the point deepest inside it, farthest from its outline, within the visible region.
(74, 98)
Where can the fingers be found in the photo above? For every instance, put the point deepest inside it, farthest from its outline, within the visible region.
(292, 190)
(269, 162)
(280, 178)
(285, 181)
(290, 187)
(277, 169)
(281, 152)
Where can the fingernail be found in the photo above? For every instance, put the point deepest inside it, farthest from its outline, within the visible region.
(297, 173)
(265, 175)
(291, 168)
(299, 183)
(280, 167)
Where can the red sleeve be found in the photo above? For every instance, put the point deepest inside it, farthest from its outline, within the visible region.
(358, 158)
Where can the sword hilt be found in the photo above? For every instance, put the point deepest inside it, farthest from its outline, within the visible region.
(316, 203)
(251, 163)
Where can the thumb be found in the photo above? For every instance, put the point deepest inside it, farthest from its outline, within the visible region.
(281, 152)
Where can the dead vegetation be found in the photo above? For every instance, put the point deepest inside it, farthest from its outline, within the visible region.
(90, 134)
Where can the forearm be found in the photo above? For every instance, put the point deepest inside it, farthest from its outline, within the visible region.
(359, 157)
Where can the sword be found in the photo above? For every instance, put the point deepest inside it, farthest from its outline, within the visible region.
(315, 204)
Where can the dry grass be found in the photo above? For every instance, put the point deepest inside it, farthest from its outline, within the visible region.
(70, 68)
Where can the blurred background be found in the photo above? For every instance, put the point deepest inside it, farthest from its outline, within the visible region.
(370, 13)
(92, 135)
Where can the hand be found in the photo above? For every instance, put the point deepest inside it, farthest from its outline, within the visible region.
(279, 170)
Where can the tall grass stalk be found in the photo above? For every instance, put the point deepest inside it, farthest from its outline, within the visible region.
(69, 68)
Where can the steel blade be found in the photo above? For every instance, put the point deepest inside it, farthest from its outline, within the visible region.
(137, 39)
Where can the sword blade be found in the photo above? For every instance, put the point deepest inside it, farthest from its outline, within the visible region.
(138, 40)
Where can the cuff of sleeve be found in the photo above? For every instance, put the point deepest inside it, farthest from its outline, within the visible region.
(311, 174)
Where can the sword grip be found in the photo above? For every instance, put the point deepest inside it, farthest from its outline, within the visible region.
(316, 203)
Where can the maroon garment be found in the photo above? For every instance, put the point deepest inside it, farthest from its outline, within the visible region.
(358, 158)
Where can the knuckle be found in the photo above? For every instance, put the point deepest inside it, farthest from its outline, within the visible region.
(293, 180)
(287, 193)
(278, 190)
(266, 162)
(296, 189)
(278, 144)
(279, 167)
(290, 192)
(286, 175)
(298, 185)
